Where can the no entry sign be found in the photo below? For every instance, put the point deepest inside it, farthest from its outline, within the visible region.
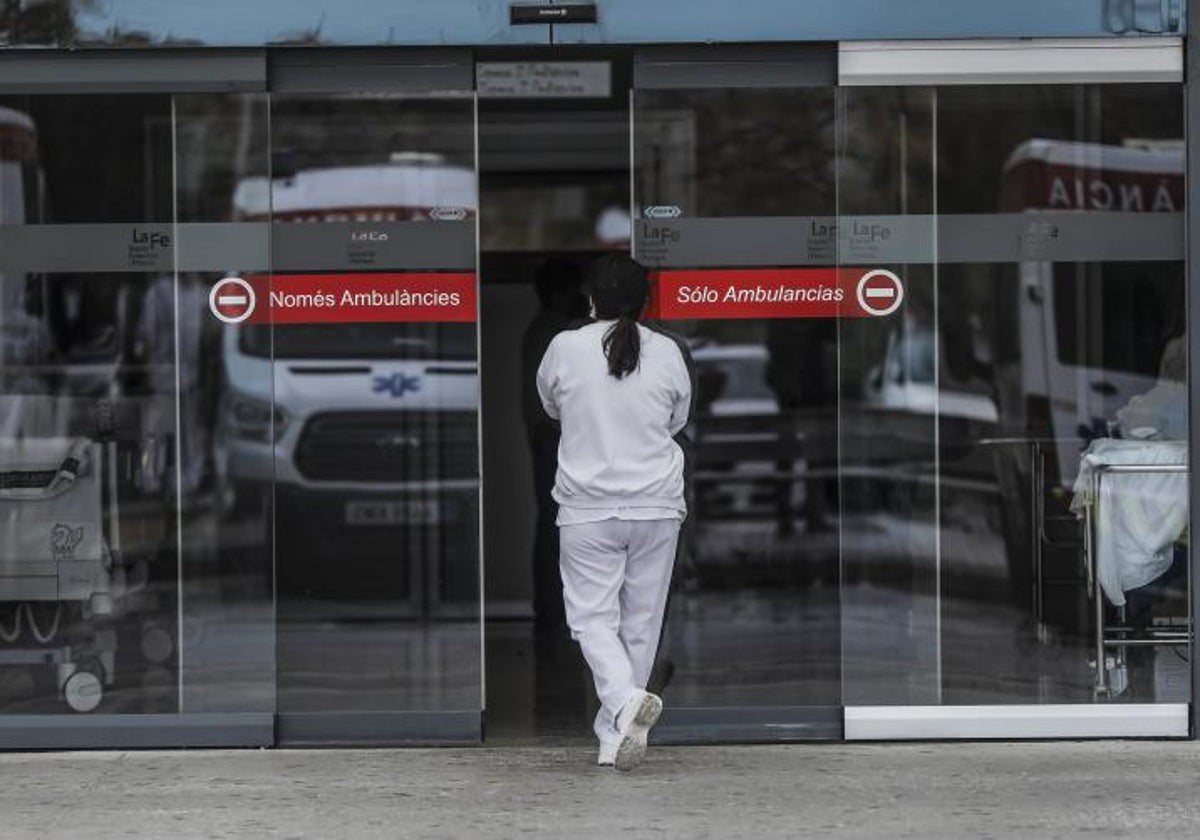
(880, 292)
(232, 300)
(774, 293)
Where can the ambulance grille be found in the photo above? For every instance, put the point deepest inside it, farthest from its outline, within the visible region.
(389, 446)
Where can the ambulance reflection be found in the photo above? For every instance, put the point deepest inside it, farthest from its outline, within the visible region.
(361, 438)
(1090, 340)
(1053, 373)
(369, 435)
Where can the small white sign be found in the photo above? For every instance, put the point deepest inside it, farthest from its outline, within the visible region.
(543, 79)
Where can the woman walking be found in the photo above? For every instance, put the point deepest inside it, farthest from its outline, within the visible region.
(621, 392)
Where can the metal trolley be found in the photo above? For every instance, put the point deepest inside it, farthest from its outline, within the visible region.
(1119, 637)
(1063, 532)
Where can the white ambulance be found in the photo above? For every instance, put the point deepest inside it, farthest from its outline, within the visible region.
(1089, 337)
(374, 452)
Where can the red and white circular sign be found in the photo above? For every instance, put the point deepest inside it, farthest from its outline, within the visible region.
(232, 300)
(880, 292)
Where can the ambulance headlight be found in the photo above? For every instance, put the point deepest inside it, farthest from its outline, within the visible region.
(251, 418)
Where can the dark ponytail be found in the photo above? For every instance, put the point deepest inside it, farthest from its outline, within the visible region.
(623, 346)
(618, 288)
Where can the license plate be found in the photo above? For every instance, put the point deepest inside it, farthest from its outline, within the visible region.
(403, 512)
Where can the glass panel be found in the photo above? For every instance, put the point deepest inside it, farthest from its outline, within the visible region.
(111, 594)
(1037, 364)
(227, 534)
(887, 391)
(734, 202)
(375, 400)
(554, 180)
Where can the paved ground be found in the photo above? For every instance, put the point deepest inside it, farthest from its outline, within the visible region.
(1114, 789)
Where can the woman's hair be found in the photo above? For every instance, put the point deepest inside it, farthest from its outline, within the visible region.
(618, 288)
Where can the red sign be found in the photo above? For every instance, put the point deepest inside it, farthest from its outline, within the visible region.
(773, 293)
(365, 298)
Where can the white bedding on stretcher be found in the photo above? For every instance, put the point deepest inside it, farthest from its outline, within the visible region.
(1139, 516)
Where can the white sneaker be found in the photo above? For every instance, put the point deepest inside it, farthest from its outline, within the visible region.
(634, 722)
(608, 754)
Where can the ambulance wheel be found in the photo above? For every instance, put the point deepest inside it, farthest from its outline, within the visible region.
(83, 691)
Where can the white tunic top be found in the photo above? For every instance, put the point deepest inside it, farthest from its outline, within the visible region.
(617, 457)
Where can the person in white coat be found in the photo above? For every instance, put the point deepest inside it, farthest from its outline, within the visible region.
(621, 392)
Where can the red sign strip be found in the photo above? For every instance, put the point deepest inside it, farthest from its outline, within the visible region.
(365, 298)
(768, 293)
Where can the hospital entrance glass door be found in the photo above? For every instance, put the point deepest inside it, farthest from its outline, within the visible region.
(239, 477)
(1013, 434)
(133, 611)
(939, 476)
(730, 173)
(375, 392)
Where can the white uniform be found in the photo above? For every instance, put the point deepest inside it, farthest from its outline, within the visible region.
(619, 487)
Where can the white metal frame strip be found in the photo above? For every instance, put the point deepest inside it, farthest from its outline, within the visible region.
(1065, 720)
(1025, 61)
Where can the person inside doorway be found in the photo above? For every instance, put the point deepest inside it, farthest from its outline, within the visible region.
(621, 392)
(799, 364)
(561, 306)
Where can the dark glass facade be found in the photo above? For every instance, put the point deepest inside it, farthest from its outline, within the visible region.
(264, 455)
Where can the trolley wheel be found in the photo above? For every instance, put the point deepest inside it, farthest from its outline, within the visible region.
(83, 691)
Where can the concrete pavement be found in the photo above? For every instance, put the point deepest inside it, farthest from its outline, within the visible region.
(1059, 790)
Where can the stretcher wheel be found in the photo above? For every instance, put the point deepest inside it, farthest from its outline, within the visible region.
(83, 691)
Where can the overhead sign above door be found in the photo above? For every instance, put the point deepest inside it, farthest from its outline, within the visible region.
(543, 79)
(547, 13)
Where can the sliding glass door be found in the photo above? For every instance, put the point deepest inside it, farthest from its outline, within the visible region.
(375, 376)
(239, 460)
(1014, 553)
(735, 197)
(940, 439)
(133, 610)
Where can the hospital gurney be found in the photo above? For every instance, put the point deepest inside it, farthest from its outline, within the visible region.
(1133, 498)
(60, 557)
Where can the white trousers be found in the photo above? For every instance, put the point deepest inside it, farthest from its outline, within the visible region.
(616, 574)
